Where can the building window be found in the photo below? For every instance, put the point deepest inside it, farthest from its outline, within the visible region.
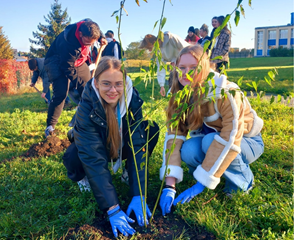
(272, 34)
(284, 34)
(259, 40)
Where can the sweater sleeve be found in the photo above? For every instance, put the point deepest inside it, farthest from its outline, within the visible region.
(35, 77)
(174, 162)
(226, 146)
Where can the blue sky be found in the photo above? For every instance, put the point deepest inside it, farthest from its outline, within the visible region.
(19, 18)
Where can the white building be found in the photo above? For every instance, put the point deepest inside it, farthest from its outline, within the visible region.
(267, 38)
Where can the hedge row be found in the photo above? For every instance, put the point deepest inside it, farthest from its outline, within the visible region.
(13, 75)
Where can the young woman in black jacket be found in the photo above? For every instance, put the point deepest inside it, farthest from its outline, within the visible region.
(101, 136)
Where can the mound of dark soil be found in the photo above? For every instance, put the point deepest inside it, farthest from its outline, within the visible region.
(167, 228)
(50, 146)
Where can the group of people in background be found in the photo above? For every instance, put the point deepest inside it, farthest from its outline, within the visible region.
(173, 44)
(224, 134)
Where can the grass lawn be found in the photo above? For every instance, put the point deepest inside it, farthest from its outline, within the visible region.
(255, 69)
(38, 201)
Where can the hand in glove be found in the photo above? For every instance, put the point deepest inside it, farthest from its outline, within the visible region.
(166, 200)
(119, 220)
(189, 194)
(136, 206)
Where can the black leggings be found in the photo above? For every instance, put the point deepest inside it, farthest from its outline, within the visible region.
(74, 165)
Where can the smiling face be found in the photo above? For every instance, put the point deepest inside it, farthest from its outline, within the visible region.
(186, 63)
(215, 23)
(190, 33)
(110, 86)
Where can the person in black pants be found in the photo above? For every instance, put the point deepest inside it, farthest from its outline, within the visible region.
(66, 65)
(101, 136)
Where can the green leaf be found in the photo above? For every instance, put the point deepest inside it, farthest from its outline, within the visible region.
(151, 123)
(275, 71)
(254, 85)
(279, 98)
(232, 92)
(250, 2)
(137, 81)
(271, 75)
(248, 84)
(114, 13)
(242, 10)
(161, 36)
(163, 22)
(155, 25)
(237, 17)
(240, 81)
(206, 45)
(272, 99)
(131, 114)
(143, 163)
(268, 81)
(168, 171)
(217, 57)
(117, 19)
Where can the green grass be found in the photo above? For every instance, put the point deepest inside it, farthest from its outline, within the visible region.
(38, 201)
(255, 69)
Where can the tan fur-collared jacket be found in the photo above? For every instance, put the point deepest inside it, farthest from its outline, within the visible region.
(232, 117)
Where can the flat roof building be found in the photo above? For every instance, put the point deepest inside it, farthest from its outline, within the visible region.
(267, 38)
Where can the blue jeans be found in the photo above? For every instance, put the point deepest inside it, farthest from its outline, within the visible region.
(238, 175)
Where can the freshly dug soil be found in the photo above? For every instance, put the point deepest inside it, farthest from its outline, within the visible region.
(167, 228)
(50, 146)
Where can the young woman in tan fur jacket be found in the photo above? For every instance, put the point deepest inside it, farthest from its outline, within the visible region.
(224, 134)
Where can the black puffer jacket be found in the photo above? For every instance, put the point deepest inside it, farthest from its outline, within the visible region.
(62, 54)
(90, 135)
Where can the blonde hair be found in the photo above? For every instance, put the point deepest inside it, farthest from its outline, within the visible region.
(113, 139)
(195, 119)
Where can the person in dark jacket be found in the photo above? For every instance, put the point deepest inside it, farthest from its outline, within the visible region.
(113, 48)
(204, 34)
(101, 136)
(37, 66)
(66, 62)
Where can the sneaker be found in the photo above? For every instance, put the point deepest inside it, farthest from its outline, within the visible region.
(125, 177)
(84, 185)
(49, 131)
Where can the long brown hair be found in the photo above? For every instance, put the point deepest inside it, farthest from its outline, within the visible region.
(195, 119)
(113, 139)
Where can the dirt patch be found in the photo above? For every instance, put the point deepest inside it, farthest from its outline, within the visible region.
(167, 228)
(50, 146)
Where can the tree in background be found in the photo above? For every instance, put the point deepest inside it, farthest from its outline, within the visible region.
(5, 48)
(134, 52)
(57, 21)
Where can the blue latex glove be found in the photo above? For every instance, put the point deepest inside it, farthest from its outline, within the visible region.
(189, 194)
(120, 221)
(166, 200)
(135, 206)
